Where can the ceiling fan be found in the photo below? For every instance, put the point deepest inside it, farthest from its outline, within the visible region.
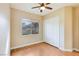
(42, 6)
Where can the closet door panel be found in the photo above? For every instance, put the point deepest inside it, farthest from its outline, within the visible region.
(52, 31)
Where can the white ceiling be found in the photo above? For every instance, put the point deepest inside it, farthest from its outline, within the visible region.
(28, 7)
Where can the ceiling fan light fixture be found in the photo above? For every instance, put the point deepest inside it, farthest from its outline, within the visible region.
(42, 8)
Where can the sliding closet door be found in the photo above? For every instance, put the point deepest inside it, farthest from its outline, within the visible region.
(51, 31)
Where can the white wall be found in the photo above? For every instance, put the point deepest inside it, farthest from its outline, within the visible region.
(76, 28)
(4, 29)
(68, 28)
(17, 39)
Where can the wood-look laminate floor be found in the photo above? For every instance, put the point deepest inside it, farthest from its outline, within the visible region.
(41, 49)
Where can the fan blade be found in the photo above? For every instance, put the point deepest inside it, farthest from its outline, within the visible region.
(36, 7)
(41, 4)
(41, 10)
(47, 3)
(49, 8)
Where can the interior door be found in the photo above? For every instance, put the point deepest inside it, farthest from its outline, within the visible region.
(52, 31)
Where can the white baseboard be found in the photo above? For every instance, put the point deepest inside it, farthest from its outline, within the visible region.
(62, 49)
(76, 49)
(69, 50)
(26, 45)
